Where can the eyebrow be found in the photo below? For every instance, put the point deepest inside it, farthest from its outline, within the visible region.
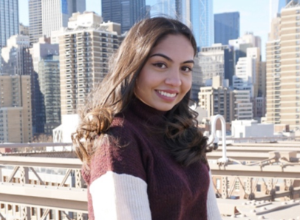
(168, 58)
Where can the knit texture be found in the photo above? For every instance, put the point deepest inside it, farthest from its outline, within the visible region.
(132, 153)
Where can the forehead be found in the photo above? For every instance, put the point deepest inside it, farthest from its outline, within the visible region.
(177, 46)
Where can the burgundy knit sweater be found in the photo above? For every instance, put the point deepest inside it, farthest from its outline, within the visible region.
(133, 177)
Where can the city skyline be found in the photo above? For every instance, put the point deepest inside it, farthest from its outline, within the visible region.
(252, 18)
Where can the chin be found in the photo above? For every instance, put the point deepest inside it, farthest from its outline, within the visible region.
(165, 108)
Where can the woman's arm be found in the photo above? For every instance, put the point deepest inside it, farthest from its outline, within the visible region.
(120, 196)
(213, 212)
(118, 188)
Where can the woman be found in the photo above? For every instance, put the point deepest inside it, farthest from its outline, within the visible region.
(143, 156)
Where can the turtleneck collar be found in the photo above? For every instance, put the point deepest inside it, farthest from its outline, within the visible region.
(145, 113)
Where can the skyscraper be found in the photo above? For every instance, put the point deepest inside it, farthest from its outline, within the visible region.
(35, 20)
(198, 15)
(216, 60)
(56, 13)
(9, 20)
(202, 23)
(15, 58)
(283, 71)
(124, 12)
(170, 8)
(81, 69)
(50, 88)
(275, 7)
(44, 97)
(15, 109)
(227, 27)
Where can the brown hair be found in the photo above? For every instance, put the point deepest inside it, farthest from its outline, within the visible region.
(183, 139)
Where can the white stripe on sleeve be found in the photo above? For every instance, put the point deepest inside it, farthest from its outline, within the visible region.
(120, 196)
(213, 212)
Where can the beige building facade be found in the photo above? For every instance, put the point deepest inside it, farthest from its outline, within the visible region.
(216, 99)
(231, 104)
(84, 54)
(15, 109)
(283, 70)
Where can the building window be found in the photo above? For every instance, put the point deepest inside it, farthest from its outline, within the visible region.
(237, 185)
(258, 188)
(277, 188)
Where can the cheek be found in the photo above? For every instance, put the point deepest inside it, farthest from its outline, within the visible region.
(187, 83)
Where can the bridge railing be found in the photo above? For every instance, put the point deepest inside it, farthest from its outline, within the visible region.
(41, 188)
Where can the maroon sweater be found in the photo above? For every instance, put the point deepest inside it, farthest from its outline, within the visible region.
(174, 192)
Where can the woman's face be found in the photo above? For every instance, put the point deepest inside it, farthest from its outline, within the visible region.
(167, 75)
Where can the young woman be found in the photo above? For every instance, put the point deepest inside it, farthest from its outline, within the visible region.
(143, 156)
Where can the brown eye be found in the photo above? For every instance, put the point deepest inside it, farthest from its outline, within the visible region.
(160, 65)
(186, 69)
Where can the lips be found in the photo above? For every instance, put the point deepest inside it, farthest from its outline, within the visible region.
(167, 95)
(170, 95)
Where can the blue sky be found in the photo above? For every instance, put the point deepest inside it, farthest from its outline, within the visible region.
(254, 14)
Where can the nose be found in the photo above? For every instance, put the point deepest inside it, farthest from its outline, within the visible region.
(173, 78)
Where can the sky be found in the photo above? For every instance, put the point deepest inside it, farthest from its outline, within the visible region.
(254, 14)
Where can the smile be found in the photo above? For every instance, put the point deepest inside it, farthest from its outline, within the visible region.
(170, 95)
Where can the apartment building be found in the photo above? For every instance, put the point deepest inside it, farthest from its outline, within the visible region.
(56, 13)
(231, 104)
(216, 60)
(84, 52)
(283, 70)
(242, 105)
(16, 59)
(15, 109)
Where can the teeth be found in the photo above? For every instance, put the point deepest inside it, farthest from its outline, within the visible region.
(171, 95)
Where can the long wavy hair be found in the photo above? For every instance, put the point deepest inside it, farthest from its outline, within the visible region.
(183, 139)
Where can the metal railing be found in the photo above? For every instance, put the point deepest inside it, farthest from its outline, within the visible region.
(41, 188)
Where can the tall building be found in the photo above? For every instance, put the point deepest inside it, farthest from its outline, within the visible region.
(227, 27)
(124, 12)
(84, 53)
(35, 20)
(217, 99)
(170, 8)
(44, 92)
(49, 83)
(240, 45)
(216, 60)
(231, 104)
(196, 14)
(242, 105)
(196, 80)
(9, 20)
(244, 78)
(275, 7)
(283, 70)
(248, 71)
(15, 109)
(202, 21)
(15, 56)
(56, 13)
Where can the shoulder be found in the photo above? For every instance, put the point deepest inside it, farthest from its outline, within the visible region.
(122, 127)
(118, 151)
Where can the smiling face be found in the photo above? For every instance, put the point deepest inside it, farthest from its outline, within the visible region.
(167, 74)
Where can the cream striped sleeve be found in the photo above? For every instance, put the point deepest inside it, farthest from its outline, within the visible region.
(120, 197)
(213, 212)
